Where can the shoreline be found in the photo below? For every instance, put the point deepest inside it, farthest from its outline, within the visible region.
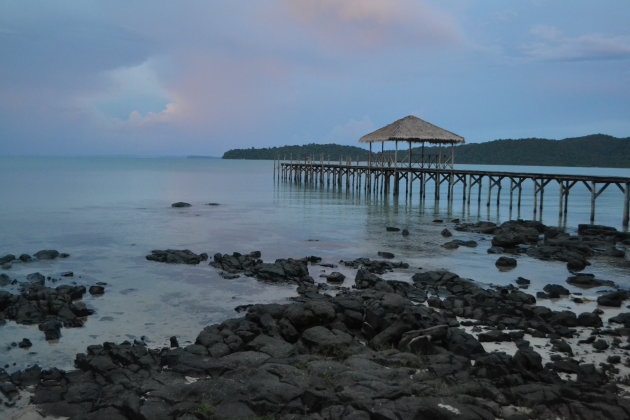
(443, 300)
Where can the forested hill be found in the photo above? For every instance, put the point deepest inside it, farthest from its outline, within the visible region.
(594, 150)
(332, 151)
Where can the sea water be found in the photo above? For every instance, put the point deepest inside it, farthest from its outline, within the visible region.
(109, 213)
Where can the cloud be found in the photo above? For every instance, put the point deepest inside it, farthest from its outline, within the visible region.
(373, 24)
(552, 45)
(136, 89)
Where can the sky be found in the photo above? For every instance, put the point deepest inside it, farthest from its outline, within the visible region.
(193, 77)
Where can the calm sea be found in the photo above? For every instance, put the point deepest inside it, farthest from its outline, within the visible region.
(109, 213)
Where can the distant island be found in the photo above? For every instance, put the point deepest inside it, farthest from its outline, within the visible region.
(598, 150)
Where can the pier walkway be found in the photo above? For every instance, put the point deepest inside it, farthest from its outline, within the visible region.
(388, 178)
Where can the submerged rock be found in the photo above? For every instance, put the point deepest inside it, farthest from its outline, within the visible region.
(47, 254)
(505, 263)
(181, 204)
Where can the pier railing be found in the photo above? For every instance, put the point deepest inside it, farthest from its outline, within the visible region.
(385, 176)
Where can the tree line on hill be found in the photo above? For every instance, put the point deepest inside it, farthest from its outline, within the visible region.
(594, 150)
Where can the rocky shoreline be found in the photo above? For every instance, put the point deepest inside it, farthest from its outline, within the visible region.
(437, 346)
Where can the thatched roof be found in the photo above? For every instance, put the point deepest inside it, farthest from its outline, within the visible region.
(412, 129)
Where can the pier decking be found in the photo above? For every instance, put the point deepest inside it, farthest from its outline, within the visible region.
(388, 177)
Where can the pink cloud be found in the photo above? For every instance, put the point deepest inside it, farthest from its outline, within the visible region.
(373, 23)
(213, 91)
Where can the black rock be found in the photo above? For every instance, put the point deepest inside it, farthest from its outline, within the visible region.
(67, 274)
(588, 280)
(335, 277)
(392, 229)
(405, 232)
(600, 344)
(589, 319)
(180, 204)
(561, 346)
(7, 259)
(96, 290)
(495, 250)
(596, 230)
(51, 329)
(622, 318)
(36, 279)
(555, 290)
(175, 256)
(174, 342)
(386, 254)
(25, 258)
(4, 280)
(494, 336)
(47, 254)
(614, 359)
(576, 263)
(212, 204)
(80, 309)
(505, 263)
(521, 281)
(446, 233)
(613, 299)
(25, 343)
(528, 360)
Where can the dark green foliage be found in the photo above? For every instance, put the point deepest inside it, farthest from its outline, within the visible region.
(594, 150)
(328, 151)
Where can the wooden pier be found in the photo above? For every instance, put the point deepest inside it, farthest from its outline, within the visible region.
(385, 173)
(388, 178)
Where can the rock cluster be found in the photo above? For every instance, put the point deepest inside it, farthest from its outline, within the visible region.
(49, 308)
(368, 353)
(550, 243)
(282, 270)
(44, 254)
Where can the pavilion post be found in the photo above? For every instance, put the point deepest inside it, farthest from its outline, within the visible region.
(396, 179)
(383, 153)
(422, 156)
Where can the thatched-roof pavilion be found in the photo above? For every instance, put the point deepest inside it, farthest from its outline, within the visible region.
(412, 130)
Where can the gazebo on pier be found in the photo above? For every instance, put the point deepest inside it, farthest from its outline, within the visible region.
(412, 129)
